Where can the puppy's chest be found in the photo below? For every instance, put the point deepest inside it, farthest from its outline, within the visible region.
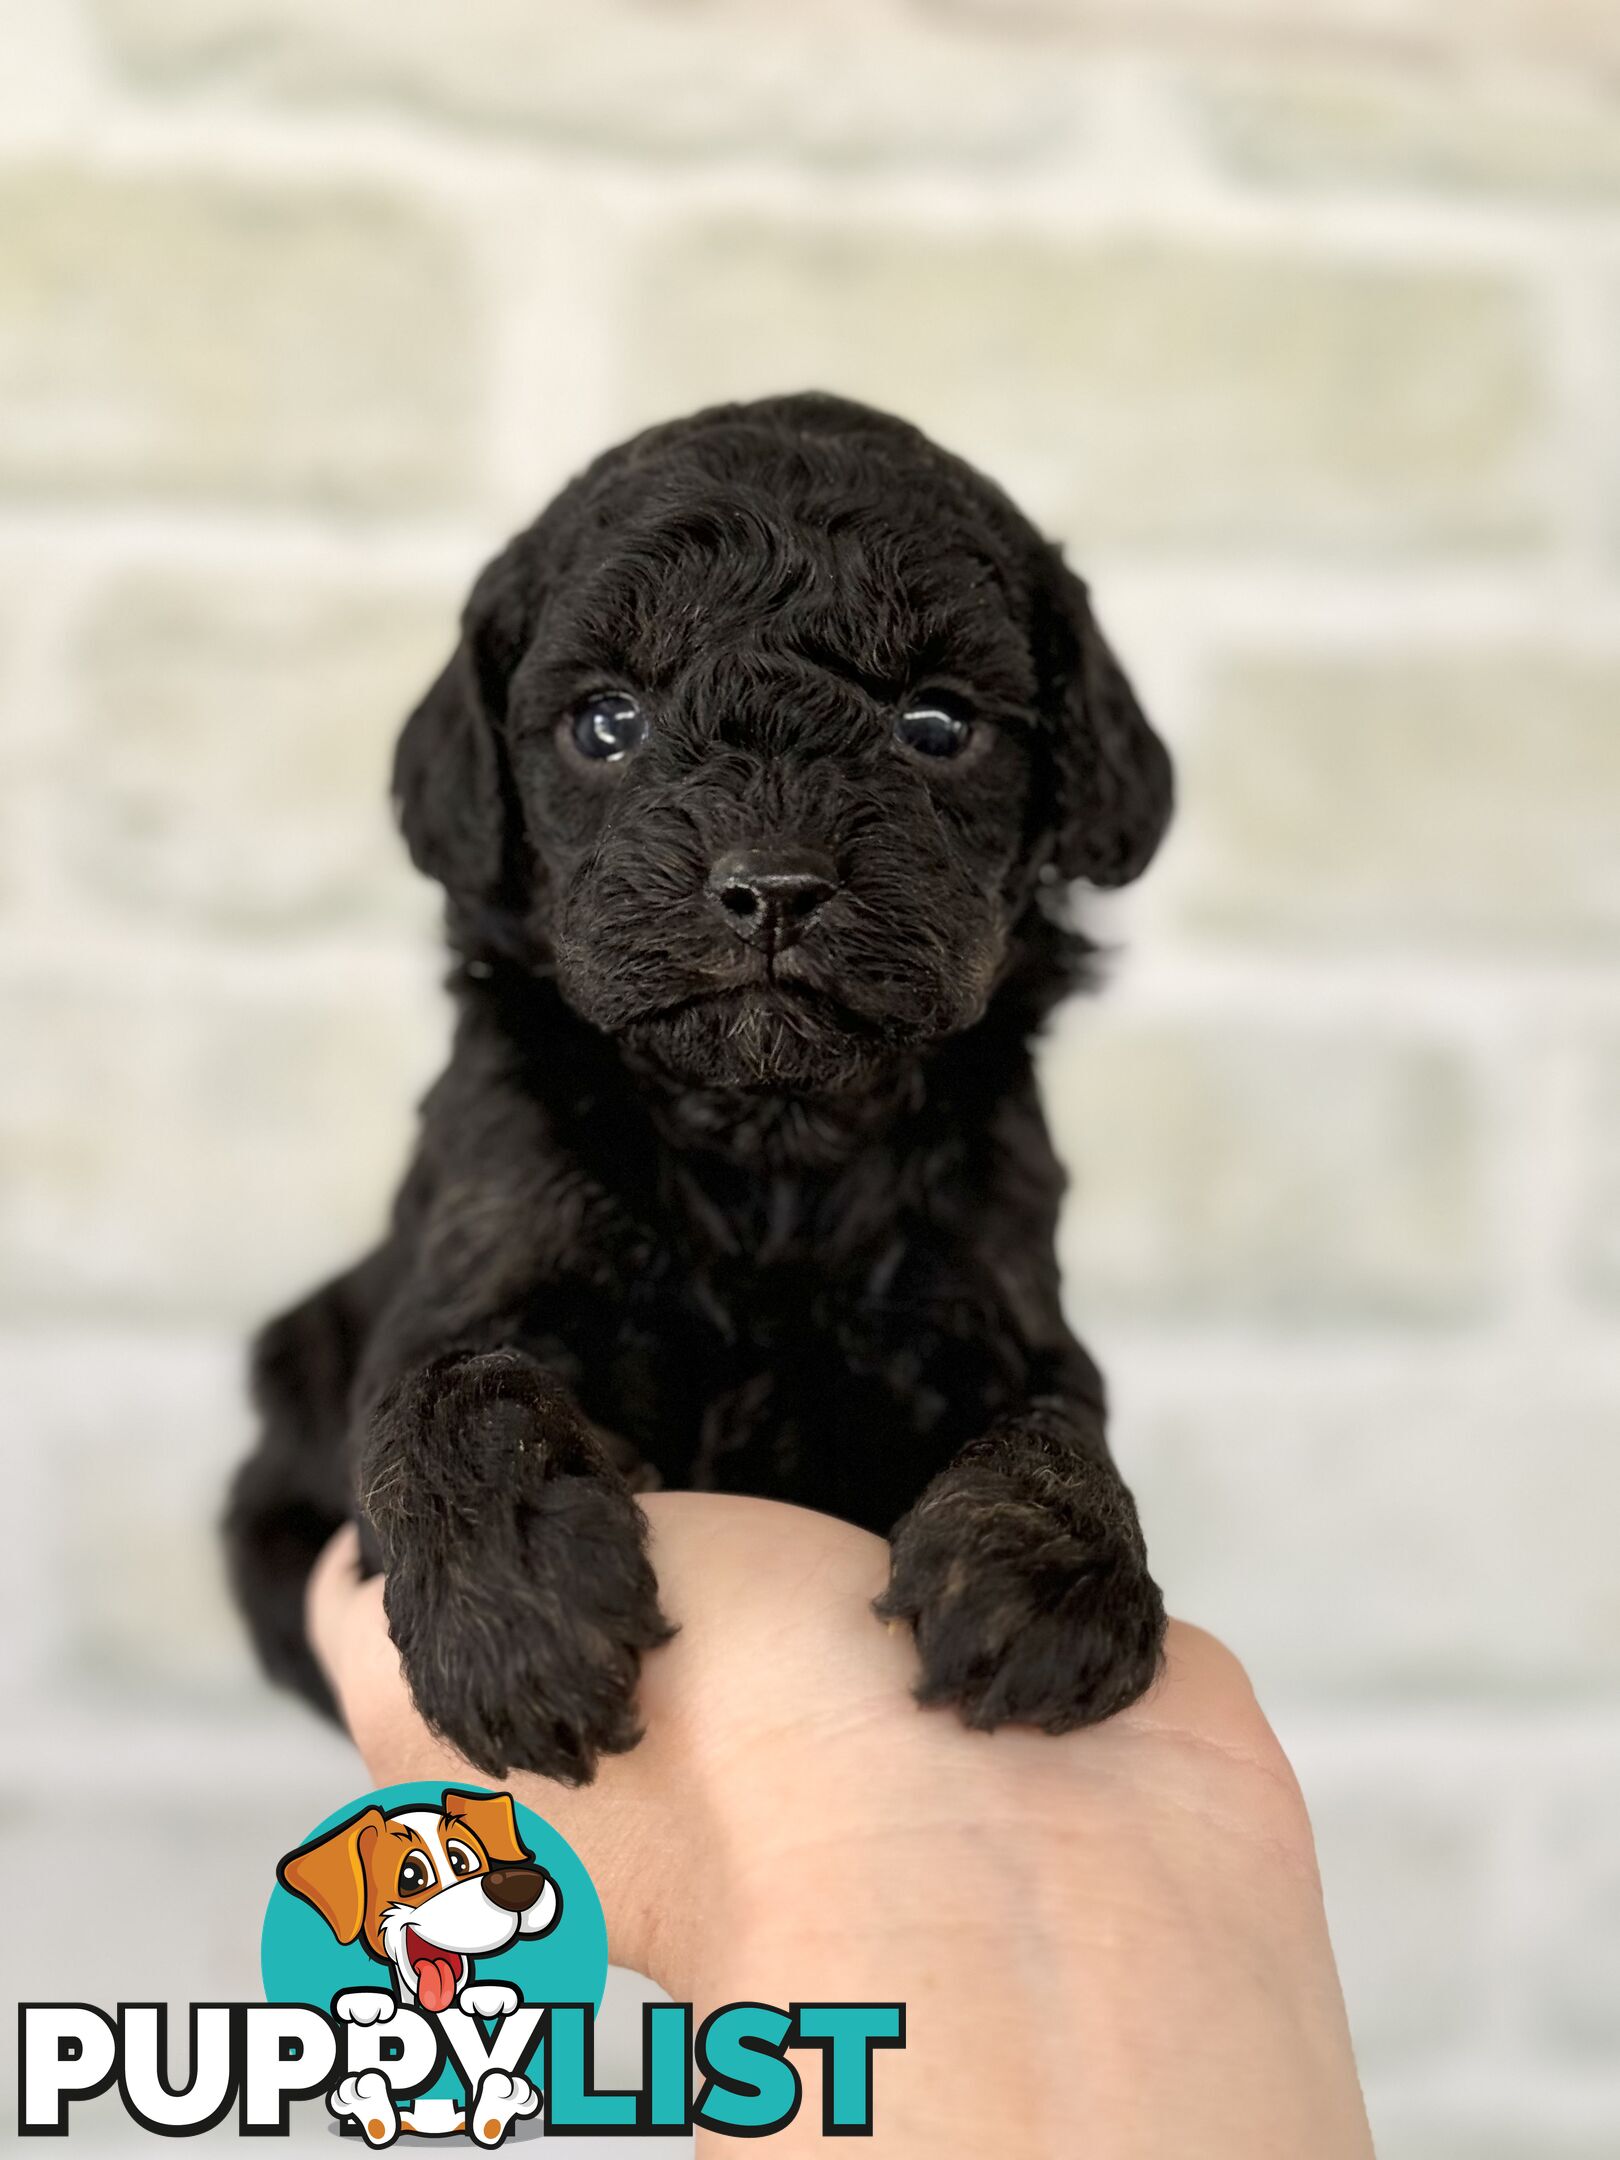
(837, 1386)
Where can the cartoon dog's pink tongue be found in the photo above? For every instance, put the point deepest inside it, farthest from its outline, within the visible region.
(437, 1972)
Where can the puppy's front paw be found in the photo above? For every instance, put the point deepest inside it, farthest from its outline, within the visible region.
(519, 1594)
(533, 1666)
(1019, 1620)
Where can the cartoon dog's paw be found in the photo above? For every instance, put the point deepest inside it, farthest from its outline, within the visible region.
(501, 2100)
(364, 2006)
(490, 1998)
(523, 1644)
(365, 2099)
(1019, 1621)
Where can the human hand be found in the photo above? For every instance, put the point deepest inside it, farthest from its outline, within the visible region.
(1111, 1941)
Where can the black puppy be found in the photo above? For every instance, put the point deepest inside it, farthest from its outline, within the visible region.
(754, 784)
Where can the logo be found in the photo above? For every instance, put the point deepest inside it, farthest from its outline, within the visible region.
(457, 1904)
(433, 1960)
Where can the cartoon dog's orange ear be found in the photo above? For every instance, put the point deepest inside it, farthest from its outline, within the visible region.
(492, 1819)
(330, 1873)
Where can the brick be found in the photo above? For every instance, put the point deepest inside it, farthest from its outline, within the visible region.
(1257, 1172)
(1403, 1876)
(42, 71)
(233, 755)
(35, 1594)
(1130, 391)
(136, 1433)
(19, 762)
(1569, 1962)
(205, 338)
(859, 84)
(178, 1147)
(217, 1866)
(1597, 1235)
(1369, 1537)
(1569, 33)
(1458, 797)
(1377, 126)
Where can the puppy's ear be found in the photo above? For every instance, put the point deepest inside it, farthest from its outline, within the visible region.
(449, 787)
(330, 1873)
(1115, 785)
(492, 1819)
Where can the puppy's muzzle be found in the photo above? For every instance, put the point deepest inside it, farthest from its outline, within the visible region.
(514, 1889)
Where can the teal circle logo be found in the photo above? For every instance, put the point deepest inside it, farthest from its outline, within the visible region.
(442, 1897)
(304, 1958)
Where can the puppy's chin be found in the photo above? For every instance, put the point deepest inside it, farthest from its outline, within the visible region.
(762, 1041)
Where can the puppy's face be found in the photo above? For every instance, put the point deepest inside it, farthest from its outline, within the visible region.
(765, 735)
(778, 780)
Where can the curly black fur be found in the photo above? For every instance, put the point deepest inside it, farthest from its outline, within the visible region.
(756, 1214)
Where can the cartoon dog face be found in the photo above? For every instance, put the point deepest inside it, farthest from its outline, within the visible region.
(427, 1889)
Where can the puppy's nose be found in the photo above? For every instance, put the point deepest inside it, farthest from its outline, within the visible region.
(513, 1889)
(770, 895)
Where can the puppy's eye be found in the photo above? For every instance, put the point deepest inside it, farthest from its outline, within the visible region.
(413, 1876)
(462, 1861)
(608, 727)
(935, 725)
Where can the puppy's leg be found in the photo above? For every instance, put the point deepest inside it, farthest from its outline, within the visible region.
(292, 1493)
(518, 1591)
(1023, 1572)
(275, 1527)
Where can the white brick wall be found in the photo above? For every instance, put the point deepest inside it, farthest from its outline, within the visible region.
(1302, 324)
